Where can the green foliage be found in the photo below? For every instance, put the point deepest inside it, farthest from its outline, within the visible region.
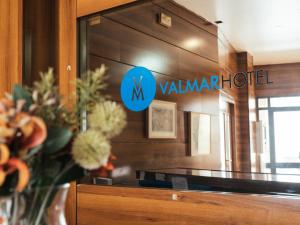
(58, 138)
(10, 181)
(49, 171)
(47, 83)
(19, 93)
(47, 102)
(76, 172)
(89, 89)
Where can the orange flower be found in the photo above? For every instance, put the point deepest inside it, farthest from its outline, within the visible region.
(6, 132)
(6, 112)
(12, 165)
(24, 123)
(4, 157)
(6, 104)
(23, 176)
(35, 134)
(34, 131)
(2, 176)
(4, 154)
(104, 171)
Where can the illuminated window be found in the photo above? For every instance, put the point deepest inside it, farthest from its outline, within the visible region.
(263, 103)
(285, 101)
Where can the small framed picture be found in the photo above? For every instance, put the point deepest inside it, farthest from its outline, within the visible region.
(162, 119)
(200, 136)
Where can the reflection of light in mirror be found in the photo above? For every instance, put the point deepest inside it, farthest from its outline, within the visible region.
(121, 171)
(152, 62)
(192, 43)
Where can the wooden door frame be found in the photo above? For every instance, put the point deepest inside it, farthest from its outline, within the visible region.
(233, 135)
(232, 106)
(11, 54)
(11, 44)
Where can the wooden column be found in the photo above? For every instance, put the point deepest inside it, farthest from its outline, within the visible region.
(66, 48)
(11, 12)
(244, 105)
(67, 73)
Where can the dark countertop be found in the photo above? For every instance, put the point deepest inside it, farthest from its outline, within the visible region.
(217, 180)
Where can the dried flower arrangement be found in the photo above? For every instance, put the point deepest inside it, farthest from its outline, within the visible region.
(42, 145)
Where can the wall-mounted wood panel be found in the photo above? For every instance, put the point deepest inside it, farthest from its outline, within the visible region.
(285, 78)
(227, 63)
(136, 206)
(187, 15)
(198, 41)
(86, 7)
(11, 42)
(243, 99)
(122, 43)
(228, 66)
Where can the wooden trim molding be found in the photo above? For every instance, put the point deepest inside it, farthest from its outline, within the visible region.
(11, 42)
(66, 49)
(86, 7)
(67, 72)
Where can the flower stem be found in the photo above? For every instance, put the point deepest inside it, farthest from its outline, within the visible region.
(33, 205)
(43, 206)
(15, 209)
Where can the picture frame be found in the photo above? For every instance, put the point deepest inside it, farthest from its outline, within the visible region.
(199, 134)
(162, 120)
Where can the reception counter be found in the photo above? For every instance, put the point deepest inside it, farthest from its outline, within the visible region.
(134, 205)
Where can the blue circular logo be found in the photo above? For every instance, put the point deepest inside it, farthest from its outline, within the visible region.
(138, 89)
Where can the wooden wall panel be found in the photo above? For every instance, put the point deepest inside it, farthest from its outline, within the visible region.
(228, 63)
(285, 78)
(243, 99)
(11, 42)
(187, 15)
(86, 7)
(140, 206)
(124, 43)
(228, 66)
(198, 42)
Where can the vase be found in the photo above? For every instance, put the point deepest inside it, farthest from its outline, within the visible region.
(40, 206)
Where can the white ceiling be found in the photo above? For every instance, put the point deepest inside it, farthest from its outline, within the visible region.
(268, 29)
